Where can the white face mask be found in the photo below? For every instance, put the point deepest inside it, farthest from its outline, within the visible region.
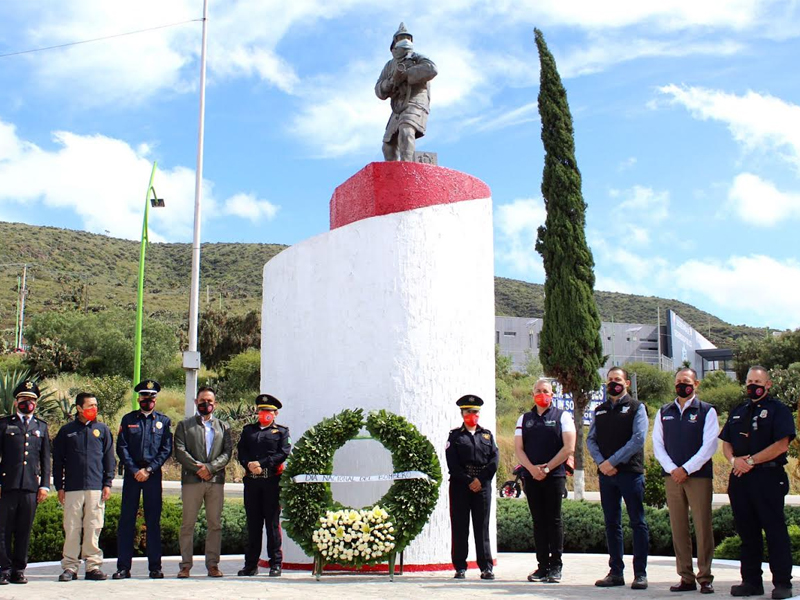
(402, 48)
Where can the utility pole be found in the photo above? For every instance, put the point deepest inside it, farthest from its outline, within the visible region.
(16, 324)
(22, 293)
(658, 334)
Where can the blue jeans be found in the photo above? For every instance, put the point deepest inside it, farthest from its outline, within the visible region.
(629, 487)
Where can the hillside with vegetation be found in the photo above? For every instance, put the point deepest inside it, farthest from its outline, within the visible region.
(70, 270)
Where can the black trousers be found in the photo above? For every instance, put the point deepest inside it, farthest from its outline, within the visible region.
(463, 504)
(263, 510)
(757, 500)
(151, 492)
(17, 509)
(544, 501)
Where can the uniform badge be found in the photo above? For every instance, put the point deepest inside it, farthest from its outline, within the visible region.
(529, 424)
(150, 385)
(487, 436)
(28, 385)
(159, 424)
(37, 433)
(625, 409)
(693, 418)
(274, 431)
(763, 414)
(96, 432)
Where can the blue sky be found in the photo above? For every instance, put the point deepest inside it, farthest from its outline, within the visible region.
(686, 113)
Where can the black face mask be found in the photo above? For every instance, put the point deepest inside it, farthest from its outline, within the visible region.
(147, 405)
(614, 388)
(755, 391)
(26, 407)
(684, 390)
(205, 408)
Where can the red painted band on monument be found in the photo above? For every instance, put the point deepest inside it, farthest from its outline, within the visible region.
(383, 188)
(380, 568)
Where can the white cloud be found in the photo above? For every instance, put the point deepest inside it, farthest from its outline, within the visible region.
(517, 223)
(644, 204)
(758, 122)
(247, 206)
(759, 202)
(626, 164)
(103, 181)
(742, 283)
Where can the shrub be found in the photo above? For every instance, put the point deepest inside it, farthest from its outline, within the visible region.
(655, 493)
(241, 377)
(723, 397)
(13, 361)
(113, 392)
(654, 387)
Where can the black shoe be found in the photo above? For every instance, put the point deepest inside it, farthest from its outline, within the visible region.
(780, 591)
(554, 575)
(68, 575)
(539, 574)
(247, 572)
(274, 571)
(157, 574)
(683, 586)
(639, 582)
(487, 574)
(18, 577)
(706, 587)
(460, 574)
(610, 580)
(121, 574)
(4, 577)
(95, 575)
(747, 589)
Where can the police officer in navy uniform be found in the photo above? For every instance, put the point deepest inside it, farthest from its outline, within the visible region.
(24, 479)
(472, 460)
(755, 440)
(263, 447)
(144, 443)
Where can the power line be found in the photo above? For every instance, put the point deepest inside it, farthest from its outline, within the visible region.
(99, 39)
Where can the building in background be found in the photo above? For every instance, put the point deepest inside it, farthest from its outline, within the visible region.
(624, 343)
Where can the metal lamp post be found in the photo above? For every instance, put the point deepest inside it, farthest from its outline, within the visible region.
(155, 202)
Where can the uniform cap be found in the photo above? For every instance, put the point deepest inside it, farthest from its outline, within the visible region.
(469, 401)
(268, 402)
(148, 387)
(26, 389)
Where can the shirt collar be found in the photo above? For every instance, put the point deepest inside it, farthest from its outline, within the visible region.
(22, 417)
(693, 403)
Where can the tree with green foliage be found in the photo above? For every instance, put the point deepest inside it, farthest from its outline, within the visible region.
(654, 387)
(570, 348)
(223, 335)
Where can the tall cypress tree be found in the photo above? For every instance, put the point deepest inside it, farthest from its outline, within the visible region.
(570, 346)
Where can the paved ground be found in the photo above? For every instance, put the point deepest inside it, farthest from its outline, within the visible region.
(580, 572)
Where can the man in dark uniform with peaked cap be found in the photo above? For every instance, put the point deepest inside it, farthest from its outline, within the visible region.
(144, 444)
(755, 440)
(24, 479)
(472, 460)
(262, 449)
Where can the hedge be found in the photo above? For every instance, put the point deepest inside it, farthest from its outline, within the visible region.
(47, 537)
(584, 529)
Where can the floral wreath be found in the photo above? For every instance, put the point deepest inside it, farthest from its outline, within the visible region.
(325, 528)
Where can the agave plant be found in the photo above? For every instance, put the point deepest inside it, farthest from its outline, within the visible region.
(9, 381)
(241, 412)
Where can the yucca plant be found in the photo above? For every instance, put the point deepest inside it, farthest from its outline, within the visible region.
(9, 381)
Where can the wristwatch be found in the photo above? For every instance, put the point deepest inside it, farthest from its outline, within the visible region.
(749, 460)
(546, 469)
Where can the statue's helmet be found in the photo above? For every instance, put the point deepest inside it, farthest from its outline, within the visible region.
(400, 33)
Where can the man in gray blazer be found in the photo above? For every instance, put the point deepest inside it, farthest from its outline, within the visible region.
(203, 447)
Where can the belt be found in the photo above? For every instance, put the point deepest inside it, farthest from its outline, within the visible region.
(474, 470)
(767, 465)
(265, 474)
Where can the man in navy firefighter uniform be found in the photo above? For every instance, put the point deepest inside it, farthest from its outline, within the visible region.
(472, 460)
(262, 450)
(755, 440)
(144, 443)
(24, 480)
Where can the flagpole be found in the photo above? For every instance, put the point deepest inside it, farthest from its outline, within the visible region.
(191, 358)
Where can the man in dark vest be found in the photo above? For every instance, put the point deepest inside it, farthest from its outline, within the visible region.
(616, 443)
(755, 440)
(544, 439)
(24, 479)
(684, 440)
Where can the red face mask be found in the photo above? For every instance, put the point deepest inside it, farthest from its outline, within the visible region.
(266, 417)
(90, 414)
(543, 400)
(471, 419)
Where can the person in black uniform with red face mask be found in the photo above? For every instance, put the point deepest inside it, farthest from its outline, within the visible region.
(262, 450)
(755, 440)
(24, 479)
(472, 460)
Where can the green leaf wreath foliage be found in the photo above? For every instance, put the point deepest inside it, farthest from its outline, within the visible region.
(409, 502)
